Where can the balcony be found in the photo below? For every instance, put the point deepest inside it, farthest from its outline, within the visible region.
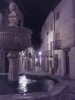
(57, 44)
(47, 53)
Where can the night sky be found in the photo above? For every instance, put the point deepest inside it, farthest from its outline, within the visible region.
(35, 13)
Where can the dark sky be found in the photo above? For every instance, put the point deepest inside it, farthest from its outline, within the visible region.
(35, 13)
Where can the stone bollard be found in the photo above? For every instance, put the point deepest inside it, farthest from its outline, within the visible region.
(13, 66)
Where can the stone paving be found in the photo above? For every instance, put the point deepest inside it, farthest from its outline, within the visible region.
(72, 89)
(71, 84)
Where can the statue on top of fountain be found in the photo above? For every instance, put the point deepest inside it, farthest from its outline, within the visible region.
(13, 15)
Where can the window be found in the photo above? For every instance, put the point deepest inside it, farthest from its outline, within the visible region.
(57, 15)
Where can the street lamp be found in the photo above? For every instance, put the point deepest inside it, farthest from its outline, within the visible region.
(40, 53)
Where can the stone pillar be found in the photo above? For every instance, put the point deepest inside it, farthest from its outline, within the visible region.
(13, 66)
(21, 63)
(60, 70)
(2, 61)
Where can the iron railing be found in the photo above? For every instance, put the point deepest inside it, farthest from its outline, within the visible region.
(57, 44)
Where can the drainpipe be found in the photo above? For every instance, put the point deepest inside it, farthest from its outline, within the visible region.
(53, 38)
(54, 31)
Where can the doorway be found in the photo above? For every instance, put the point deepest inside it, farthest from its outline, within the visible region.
(67, 69)
(6, 63)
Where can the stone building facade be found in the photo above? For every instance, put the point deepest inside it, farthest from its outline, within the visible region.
(58, 36)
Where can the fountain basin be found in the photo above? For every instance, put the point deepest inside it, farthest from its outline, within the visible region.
(34, 83)
(58, 91)
(15, 38)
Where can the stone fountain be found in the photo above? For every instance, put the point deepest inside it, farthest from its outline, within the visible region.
(13, 38)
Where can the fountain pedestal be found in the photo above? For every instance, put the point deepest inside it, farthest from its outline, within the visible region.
(13, 66)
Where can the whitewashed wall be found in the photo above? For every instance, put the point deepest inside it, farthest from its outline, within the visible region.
(47, 29)
(64, 25)
(47, 37)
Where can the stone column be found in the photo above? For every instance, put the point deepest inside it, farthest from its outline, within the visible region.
(13, 66)
(21, 63)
